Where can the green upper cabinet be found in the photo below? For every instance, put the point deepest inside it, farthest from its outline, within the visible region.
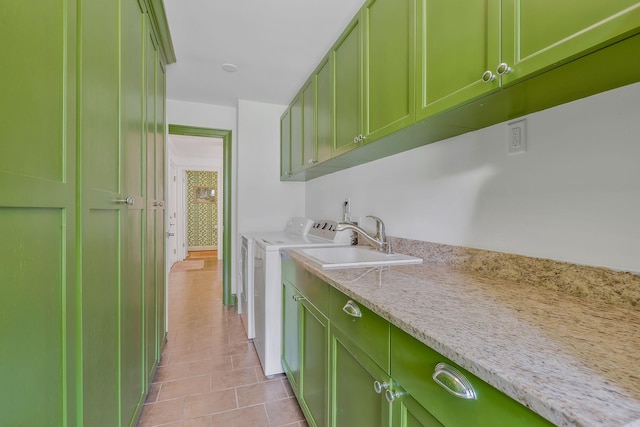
(324, 111)
(452, 65)
(571, 28)
(458, 48)
(297, 160)
(309, 123)
(347, 89)
(388, 66)
(285, 145)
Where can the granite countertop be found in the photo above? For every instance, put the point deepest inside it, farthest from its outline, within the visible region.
(569, 356)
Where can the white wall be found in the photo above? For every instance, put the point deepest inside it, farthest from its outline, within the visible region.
(573, 196)
(264, 202)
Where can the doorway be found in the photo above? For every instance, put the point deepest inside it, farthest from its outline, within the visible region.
(225, 136)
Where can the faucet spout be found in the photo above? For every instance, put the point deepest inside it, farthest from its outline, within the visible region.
(378, 241)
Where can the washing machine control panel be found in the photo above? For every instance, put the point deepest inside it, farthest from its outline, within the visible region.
(326, 229)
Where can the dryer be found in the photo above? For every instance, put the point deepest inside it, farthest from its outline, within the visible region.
(267, 292)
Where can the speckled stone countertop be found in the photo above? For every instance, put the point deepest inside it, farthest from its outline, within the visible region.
(563, 340)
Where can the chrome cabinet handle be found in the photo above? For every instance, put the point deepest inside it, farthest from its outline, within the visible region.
(170, 234)
(378, 386)
(454, 381)
(503, 68)
(158, 204)
(298, 298)
(128, 201)
(488, 76)
(352, 309)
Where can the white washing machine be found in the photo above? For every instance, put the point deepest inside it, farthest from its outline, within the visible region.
(267, 297)
(295, 228)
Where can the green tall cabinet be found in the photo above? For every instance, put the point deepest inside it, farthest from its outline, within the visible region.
(39, 350)
(82, 137)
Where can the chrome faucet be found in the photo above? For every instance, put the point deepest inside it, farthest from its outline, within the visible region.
(379, 241)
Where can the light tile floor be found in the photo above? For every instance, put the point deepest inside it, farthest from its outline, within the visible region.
(209, 374)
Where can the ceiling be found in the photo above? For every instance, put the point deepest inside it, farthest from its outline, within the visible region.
(276, 44)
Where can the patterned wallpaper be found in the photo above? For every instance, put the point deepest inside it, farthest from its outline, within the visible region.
(202, 214)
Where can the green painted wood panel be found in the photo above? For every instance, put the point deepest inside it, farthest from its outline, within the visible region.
(100, 216)
(291, 335)
(285, 144)
(161, 238)
(100, 323)
(32, 310)
(324, 111)
(315, 364)
(413, 364)
(407, 412)
(347, 89)
(33, 72)
(297, 161)
(309, 123)
(150, 284)
(573, 29)
(457, 41)
(38, 310)
(389, 49)
(354, 403)
(134, 35)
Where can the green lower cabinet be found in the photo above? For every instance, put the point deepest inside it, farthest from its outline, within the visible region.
(350, 367)
(314, 394)
(407, 412)
(305, 351)
(291, 335)
(413, 365)
(354, 399)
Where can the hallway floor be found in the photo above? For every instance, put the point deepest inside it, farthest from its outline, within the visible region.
(210, 374)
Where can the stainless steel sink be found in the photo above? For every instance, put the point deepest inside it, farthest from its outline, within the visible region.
(356, 256)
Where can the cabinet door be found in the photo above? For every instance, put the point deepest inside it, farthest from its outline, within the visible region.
(355, 402)
(571, 28)
(324, 111)
(291, 335)
(315, 364)
(297, 160)
(347, 89)
(132, 123)
(388, 66)
(309, 123)
(39, 318)
(407, 412)
(285, 145)
(102, 218)
(458, 41)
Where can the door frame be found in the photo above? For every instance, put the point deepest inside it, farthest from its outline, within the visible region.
(225, 135)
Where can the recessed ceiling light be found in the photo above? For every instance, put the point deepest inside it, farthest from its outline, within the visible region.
(230, 68)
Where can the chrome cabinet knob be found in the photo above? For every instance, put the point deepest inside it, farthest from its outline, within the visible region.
(503, 68)
(488, 76)
(378, 386)
(391, 395)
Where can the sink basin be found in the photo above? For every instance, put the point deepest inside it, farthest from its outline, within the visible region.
(356, 256)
